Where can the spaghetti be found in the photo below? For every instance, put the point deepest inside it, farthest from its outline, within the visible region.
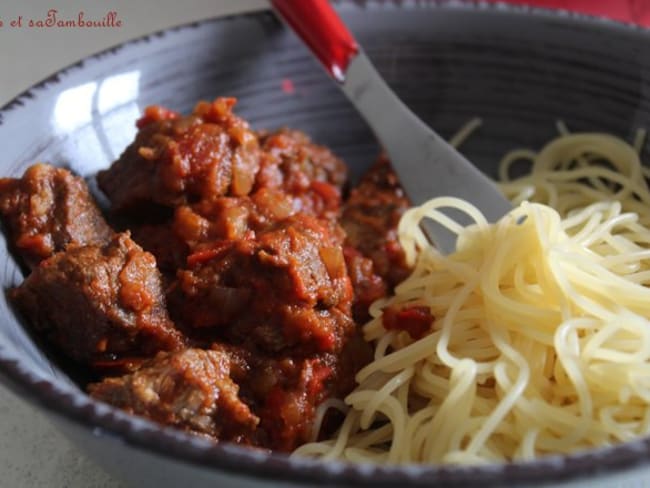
(541, 337)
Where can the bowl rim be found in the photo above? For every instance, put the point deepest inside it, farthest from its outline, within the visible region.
(72, 404)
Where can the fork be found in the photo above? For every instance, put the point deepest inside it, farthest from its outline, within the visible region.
(426, 165)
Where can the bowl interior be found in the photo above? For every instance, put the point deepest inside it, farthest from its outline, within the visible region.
(519, 71)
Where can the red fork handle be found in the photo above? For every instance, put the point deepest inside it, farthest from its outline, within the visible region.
(322, 30)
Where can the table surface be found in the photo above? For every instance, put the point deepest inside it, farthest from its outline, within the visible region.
(32, 452)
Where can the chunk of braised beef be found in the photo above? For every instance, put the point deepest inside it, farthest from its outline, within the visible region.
(162, 241)
(305, 262)
(236, 394)
(286, 287)
(47, 210)
(367, 285)
(99, 303)
(311, 174)
(231, 218)
(191, 390)
(290, 328)
(176, 160)
(370, 219)
(288, 410)
(285, 390)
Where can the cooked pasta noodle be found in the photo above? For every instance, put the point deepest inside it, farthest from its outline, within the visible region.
(541, 337)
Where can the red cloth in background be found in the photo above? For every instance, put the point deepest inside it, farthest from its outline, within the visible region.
(633, 11)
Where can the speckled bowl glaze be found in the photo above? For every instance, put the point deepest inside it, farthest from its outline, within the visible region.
(518, 69)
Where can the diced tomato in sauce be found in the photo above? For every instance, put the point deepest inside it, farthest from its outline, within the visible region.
(416, 320)
(155, 113)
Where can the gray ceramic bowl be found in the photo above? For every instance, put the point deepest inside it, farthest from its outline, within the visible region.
(518, 69)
